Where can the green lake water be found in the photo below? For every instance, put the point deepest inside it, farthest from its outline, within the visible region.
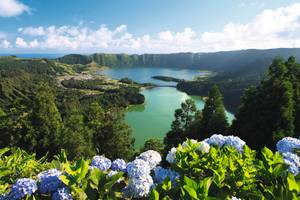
(154, 118)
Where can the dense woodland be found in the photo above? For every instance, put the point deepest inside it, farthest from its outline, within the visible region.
(268, 112)
(39, 116)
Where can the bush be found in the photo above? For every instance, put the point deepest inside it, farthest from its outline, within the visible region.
(220, 167)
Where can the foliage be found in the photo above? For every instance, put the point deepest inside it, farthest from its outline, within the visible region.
(46, 121)
(39, 116)
(192, 123)
(270, 111)
(214, 118)
(153, 144)
(111, 136)
(186, 118)
(16, 163)
(211, 169)
(224, 173)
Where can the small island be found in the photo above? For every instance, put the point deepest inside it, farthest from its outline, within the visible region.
(167, 78)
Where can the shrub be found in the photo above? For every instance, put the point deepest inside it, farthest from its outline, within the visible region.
(219, 167)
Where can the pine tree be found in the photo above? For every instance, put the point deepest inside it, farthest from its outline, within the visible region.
(47, 121)
(214, 118)
(111, 135)
(294, 76)
(77, 137)
(185, 118)
(267, 112)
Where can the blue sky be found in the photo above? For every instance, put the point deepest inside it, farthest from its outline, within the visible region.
(147, 26)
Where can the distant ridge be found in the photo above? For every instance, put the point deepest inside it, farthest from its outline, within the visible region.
(251, 60)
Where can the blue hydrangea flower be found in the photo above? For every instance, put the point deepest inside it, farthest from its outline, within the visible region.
(152, 157)
(138, 187)
(111, 173)
(235, 142)
(62, 194)
(23, 187)
(7, 196)
(101, 163)
(216, 140)
(293, 161)
(294, 170)
(138, 169)
(288, 144)
(119, 165)
(204, 147)
(220, 140)
(160, 174)
(171, 157)
(49, 181)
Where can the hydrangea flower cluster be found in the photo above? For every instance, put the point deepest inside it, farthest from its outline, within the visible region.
(171, 157)
(160, 174)
(23, 187)
(235, 142)
(216, 139)
(293, 161)
(139, 172)
(62, 194)
(119, 165)
(138, 169)
(49, 181)
(220, 140)
(138, 187)
(204, 147)
(152, 157)
(288, 144)
(101, 163)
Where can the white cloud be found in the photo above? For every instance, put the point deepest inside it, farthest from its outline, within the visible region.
(165, 35)
(11, 8)
(5, 44)
(32, 31)
(121, 29)
(270, 29)
(20, 42)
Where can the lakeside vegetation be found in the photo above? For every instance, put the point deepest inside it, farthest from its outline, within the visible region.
(234, 71)
(41, 116)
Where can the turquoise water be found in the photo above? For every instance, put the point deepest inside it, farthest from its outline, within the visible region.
(144, 74)
(154, 118)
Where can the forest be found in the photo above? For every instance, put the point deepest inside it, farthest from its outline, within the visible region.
(67, 144)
